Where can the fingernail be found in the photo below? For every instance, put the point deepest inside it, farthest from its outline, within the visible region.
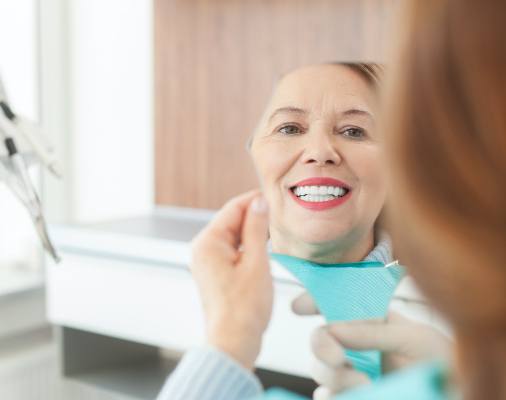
(259, 205)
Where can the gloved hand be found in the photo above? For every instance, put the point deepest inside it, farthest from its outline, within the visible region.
(231, 268)
(401, 340)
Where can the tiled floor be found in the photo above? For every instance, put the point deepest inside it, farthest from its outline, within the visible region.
(29, 371)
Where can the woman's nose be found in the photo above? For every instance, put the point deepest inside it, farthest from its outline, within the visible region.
(321, 150)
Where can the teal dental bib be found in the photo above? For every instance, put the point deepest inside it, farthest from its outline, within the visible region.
(345, 292)
(426, 381)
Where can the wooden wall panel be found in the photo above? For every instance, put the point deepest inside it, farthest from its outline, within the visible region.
(215, 64)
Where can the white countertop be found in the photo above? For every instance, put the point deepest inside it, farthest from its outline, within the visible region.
(162, 238)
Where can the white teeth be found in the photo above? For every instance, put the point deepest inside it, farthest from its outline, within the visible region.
(319, 193)
(317, 198)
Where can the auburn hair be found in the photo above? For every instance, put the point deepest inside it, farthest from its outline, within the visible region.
(445, 134)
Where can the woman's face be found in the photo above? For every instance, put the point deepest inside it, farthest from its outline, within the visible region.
(317, 154)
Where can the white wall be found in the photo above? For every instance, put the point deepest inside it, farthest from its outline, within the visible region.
(18, 54)
(96, 84)
(111, 81)
(97, 107)
(19, 70)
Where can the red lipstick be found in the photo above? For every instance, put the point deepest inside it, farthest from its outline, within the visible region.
(322, 181)
(321, 205)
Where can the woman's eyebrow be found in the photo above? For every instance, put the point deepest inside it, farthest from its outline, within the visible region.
(356, 111)
(281, 110)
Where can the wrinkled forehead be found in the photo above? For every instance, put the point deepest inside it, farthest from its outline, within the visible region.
(323, 89)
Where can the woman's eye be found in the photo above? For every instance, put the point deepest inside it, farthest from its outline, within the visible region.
(290, 130)
(354, 133)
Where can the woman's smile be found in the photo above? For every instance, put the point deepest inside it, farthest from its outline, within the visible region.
(320, 193)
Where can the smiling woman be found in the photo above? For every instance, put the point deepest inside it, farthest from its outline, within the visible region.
(319, 161)
(318, 157)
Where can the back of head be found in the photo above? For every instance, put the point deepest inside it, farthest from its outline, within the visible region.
(445, 129)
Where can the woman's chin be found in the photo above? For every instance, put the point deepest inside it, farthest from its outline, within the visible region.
(319, 238)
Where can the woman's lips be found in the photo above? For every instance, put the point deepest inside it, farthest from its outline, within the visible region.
(325, 204)
(322, 181)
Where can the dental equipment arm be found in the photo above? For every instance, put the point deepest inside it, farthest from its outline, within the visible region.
(30, 198)
(15, 173)
(29, 133)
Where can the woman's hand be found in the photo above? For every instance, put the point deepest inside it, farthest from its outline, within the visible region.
(402, 342)
(231, 268)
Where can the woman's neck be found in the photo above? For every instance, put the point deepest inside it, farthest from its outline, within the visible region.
(338, 251)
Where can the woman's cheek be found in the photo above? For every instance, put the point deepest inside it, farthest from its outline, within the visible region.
(265, 164)
(369, 169)
(271, 162)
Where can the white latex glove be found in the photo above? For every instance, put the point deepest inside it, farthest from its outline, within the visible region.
(231, 268)
(402, 341)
